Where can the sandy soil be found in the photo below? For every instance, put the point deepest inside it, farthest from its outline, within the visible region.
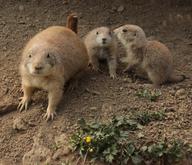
(97, 96)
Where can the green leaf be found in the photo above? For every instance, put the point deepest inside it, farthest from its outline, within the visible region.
(110, 158)
(136, 159)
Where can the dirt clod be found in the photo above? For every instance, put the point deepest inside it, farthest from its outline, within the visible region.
(20, 124)
(180, 92)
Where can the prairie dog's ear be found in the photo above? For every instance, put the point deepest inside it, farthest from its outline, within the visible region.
(135, 33)
(52, 59)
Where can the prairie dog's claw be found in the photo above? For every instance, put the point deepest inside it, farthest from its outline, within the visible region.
(113, 76)
(23, 104)
(49, 115)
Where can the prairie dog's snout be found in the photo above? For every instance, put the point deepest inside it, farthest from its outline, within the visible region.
(103, 36)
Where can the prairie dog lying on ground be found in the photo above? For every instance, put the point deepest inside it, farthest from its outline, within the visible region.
(101, 44)
(49, 60)
(153, 56)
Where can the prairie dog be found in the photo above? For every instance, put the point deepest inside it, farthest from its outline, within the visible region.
(153, 56)
(101, 44)
(49, 60)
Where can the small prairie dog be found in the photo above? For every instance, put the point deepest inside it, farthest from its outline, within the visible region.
(101, 45)
(153, 56)
(50, 59)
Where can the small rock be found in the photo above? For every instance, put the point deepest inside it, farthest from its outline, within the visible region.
(180, 92)
(140, 135)
(65, 2)
(21, 8)
(4, 48)
(172, 92)
(170, 109)
(93, 108)
(120, 8)
(20, 124)
(121, 88)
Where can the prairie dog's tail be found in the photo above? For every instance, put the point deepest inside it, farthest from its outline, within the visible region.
(176, 78)
(72, 22)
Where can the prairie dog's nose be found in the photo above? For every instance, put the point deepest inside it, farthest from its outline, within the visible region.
(104, 39)
(38, 67)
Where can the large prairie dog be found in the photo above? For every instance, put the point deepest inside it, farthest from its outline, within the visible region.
(49, 59)
(153, 56)
(101, 44)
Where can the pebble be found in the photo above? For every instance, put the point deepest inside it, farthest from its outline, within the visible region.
(120, 8)
(93, 108)
(180, 92)
(21, 8)
(19, 124)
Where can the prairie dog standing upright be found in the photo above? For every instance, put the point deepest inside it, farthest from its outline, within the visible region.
(153, 56)
(101, 44)
(49, 60)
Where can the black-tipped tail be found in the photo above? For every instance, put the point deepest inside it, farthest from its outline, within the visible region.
(176, 78)
(72, 22)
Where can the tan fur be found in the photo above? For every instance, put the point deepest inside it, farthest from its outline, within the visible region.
(153, 56)
(98, 51)
(49, 60)
(72, 22)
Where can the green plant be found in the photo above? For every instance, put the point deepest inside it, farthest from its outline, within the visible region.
(163, 151)
(150, 95)
(111, 143)
(146, 117)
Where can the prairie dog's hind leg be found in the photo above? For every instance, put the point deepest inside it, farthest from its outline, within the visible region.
(155, 78)
(27, 94)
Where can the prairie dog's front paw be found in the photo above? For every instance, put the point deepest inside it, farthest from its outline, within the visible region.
(113, 75)
(23, 104)
(50, 115)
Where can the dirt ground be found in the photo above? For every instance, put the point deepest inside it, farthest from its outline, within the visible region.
(97, 96)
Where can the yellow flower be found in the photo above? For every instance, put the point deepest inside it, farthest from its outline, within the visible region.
(88, 139)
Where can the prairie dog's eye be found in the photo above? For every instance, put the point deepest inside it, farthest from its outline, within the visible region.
(48, 56)
(135, 33)
(29, 55)
(124, 30)
(97, 33)
(110, 33)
